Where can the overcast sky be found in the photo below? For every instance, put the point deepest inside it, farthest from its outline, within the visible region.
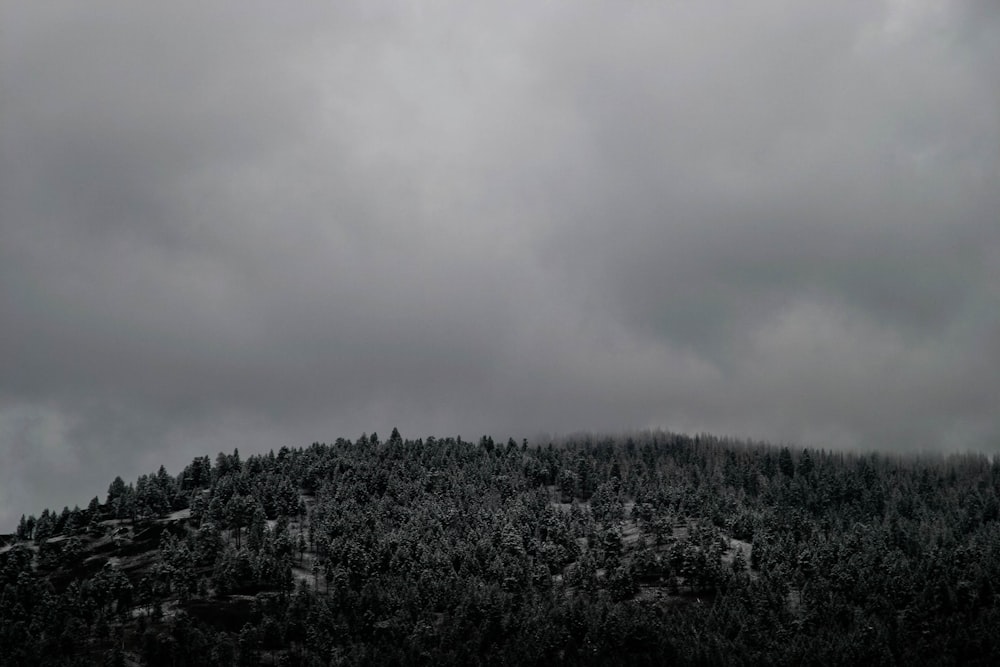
(251, 225)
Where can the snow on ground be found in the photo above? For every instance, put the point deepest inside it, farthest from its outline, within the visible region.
(734, 545)
(631, 533)
(177, 516)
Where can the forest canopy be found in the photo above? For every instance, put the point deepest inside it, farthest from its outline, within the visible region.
(650, 548)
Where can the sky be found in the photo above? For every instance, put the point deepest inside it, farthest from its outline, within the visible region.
(249, 225)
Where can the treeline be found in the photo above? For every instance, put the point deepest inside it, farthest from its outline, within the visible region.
(651, 549)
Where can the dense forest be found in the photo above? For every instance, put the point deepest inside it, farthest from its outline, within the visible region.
(650, 549)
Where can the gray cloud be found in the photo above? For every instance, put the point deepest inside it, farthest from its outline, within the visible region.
(227, 227)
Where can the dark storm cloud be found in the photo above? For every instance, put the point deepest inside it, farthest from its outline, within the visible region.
(241, 227)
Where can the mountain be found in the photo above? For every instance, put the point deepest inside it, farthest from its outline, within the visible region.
(652, 548)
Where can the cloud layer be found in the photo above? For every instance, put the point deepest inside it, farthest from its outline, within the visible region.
(249, 228)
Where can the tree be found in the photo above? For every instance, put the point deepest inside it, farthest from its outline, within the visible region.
(257, 529)
(207, 544)
(223, 651)
(567, 484)
(24, 528)
(44, 527)
(785, 463)
(249, 646)
(124, 505)
(116, 490)
(115, 657)
(238, 513)
(94, 510)
(586, 482)
(806, 465)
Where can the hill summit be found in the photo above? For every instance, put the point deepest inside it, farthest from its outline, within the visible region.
(652, 548)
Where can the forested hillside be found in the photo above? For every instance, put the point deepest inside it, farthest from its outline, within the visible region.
(650, 549)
